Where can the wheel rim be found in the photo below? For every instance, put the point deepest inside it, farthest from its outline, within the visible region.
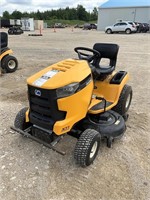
(128, 31)
(11, 64)
(128, 101)
(93, 150)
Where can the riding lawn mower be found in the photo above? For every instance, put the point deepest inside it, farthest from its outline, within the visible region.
(8, 63)
(78, 97)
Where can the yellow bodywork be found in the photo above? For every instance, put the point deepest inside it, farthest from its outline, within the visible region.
(79, 104)
(110, 92)
(9, 51)
(70, 71)
(76, 105)
(27, 116)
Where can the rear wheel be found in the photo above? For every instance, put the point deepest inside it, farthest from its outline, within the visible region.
(124, 102)
(20, 119)
(87, 147)
(128, 31)
(9, 64)
(109, 31)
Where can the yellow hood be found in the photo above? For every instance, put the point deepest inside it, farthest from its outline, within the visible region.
(60, 74)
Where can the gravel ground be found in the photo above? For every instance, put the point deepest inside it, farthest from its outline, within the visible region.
(29, 171)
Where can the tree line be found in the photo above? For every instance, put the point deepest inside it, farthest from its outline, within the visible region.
(78, 13)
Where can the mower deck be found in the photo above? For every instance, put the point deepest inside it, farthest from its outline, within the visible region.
(109, 124)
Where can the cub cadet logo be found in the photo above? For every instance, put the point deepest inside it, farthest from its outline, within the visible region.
(37, 92)
(65, 129)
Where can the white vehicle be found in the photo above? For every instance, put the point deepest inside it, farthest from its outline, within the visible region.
(127, 27)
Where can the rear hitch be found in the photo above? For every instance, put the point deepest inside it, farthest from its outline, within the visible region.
(26, 133)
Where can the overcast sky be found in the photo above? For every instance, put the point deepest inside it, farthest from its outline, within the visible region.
(42, 5)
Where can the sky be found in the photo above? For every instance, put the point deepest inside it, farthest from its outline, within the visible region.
(43, 5)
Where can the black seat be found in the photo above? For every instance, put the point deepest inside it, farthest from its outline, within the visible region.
(4, 39)
(108, 51)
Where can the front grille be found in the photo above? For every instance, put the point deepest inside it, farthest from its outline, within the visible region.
(43, 107)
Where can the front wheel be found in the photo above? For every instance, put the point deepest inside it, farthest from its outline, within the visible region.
(20, 121)
(9, 64)
(87, 147)
(10, 32)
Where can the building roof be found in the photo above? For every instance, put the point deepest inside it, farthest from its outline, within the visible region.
(125, 3)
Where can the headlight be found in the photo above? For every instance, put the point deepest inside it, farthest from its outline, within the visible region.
(67, 90)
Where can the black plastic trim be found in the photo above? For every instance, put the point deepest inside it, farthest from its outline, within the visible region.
(44, 110)
(101, 105)
(118, 77)
(2, 50)
(84, 82)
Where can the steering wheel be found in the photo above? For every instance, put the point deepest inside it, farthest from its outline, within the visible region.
(85, 56)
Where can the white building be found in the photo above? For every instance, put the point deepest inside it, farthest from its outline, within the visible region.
(27, 24)
(38, 24)
(128, 10)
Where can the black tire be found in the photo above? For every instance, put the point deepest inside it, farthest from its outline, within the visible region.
(128, 31)
(20, 119)
(109, 31)
(87, 147)
(124, 102)
(9, 64)
(110, 142)
(10, 32)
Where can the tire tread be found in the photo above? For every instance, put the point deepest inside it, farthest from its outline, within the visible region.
(83, 145)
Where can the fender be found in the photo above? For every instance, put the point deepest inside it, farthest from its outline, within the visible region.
(27, 116)
(7, 52)
(109, 89)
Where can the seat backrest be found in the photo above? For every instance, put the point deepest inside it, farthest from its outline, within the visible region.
(4, 39)
(107, 50)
